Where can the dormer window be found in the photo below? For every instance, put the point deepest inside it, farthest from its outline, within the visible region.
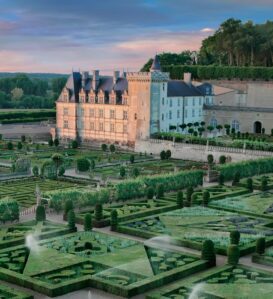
(101, 97)
(125, 98)
(112, 98)
(92, 97)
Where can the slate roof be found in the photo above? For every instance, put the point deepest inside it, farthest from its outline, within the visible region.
(177, 88)
(156, 64)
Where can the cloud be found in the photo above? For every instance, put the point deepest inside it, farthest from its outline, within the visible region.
(207, 30)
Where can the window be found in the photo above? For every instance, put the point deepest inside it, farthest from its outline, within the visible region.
(213, 122)
(186, 102)
(178, 113)
(66, 124)
(125, 101)
(207, 100)
(101, 126)
(178, 102)
(235, 125)
(171, 102)
(92, 126)
(124, 129)
(186, 113)
(112, 128)
(112, 113)
(200, 112)
(82, 112)
(92, 112)
(162, 101)
(162, 117)
(125, 115)
(200, 101)
(163, 86)
(65, 111)
(100, 113)
(193, 102)
(193, 113)
(170, 114)
(82, 98)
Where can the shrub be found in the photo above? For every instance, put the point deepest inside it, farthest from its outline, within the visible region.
(68, 206)
(249, 184)
(150, 192)
(83, 164)
(206, 198)
(236, 178)
(104, 147)
(10, 146)
(112, 148)
(210, 159)
(87, 222)
(168, 154)
(208, 252)
(222, 159)
(114, 220)
(135, 172)
(75, 144)
(180, 199)
(61, 171)
(9, 210)
(23, 138)
(35, 170)
(122, 172)
(160, 191)
(92, 164)
(260, 245)
(71, 220)
(233, 254)
(50, 142)
(56, 142)
(221, 179)
(234, 237)
(189, 193)
(264, 182)
(40, 213)
(132, 158)
(19, 145)
(98, 212)
(162, 155)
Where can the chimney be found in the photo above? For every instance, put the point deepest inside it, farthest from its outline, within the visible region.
(187, 78)
(95, 79)
(85, 76)
(115, 77)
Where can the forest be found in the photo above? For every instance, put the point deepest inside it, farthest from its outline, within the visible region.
(23, 91)
(234, 43)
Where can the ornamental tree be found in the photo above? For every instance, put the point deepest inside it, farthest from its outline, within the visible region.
(88, 222)
(233, 254)
(71, 218)
(114, 220)
(208, 252)
(40, 213)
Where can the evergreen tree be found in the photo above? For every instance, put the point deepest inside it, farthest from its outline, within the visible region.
(208, 252)
(88, 222)
(114, 220)
(180, 199)
(40, 213)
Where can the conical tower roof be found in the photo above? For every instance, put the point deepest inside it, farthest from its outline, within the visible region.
(156, 64)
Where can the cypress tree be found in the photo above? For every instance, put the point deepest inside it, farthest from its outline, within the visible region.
(71, 220)
(114, 220)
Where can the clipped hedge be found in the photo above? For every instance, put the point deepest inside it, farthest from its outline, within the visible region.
(130, 189)
(246, 168)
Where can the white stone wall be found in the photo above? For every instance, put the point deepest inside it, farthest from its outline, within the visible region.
(194, 152)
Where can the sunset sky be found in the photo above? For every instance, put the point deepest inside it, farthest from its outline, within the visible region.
(61, 35)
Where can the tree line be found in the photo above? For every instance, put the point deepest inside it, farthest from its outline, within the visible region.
(234, 43)
(21, 91)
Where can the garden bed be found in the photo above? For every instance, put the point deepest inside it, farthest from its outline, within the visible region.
(89, 259)
(189, 227)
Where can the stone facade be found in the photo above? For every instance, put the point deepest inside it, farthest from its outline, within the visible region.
(123, 108)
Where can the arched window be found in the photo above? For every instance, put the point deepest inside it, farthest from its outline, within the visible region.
(235, 125)
(213, 122)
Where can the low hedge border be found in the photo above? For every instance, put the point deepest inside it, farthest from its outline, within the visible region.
(262, 259)
(14, 293)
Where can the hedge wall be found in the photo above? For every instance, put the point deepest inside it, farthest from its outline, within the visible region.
(220, 72)
(28, 114)
(246, 168)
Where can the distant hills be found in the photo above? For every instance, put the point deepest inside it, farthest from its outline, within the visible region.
(41, 76)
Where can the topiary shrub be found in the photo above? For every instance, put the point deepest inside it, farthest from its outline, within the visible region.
(264, 183)
(88, 222)
(122, 172)
(83, 164)
(132, 159)
(75, 144)
(249, 184)
(210, 159)
(61, 171)
(104, 147)
(206, 198)
(114, 220)
(150, 192)
(50, 142)
(68, 206)
(234, 237)
(162, 155)
(221, 179)
(35, 170)
(168, 154)
(112, 148)
(19, 145)
(10, 146)
(160, 191)
(233, 254)
(208, 252)
(71, 219)
(260, 245)
(236, 178)
(40, 213)
(189, 193)
(98, 212)
(222, 159)
(180, 199)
